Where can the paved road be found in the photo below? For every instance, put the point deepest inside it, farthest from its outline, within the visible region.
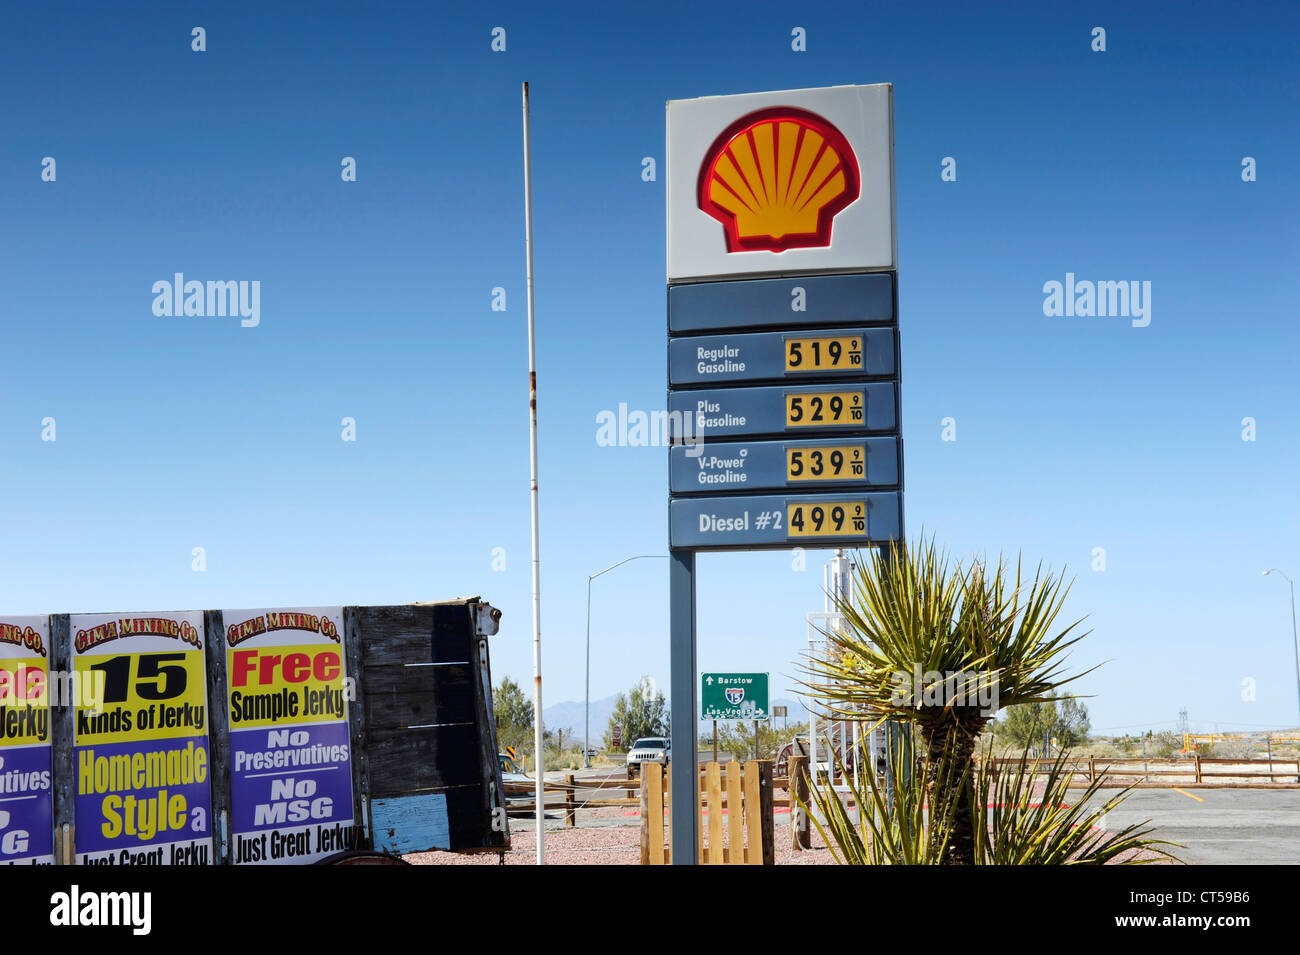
(1225, 827)
(1215, 826)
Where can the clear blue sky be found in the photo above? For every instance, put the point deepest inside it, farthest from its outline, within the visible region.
(1072, 433)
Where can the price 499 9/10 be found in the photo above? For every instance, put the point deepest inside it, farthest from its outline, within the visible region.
(833, 519)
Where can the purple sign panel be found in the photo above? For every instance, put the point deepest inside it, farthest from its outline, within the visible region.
(291, 790)
(142, 797)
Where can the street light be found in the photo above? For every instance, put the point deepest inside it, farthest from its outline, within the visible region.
(586, 731)
(1295, 635)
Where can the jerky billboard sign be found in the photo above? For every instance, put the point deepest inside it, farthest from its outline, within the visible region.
(26, 791)
(290, 755)
(143, 794)
(248, 736)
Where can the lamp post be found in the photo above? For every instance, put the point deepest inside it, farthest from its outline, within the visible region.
(1294, 633)
(586, 732)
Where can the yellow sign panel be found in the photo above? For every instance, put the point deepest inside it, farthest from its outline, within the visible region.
(822, 409)
(140, 696)
(843, 462)
(826, 519)
(840, 353)
(24, 703)
(272, 686)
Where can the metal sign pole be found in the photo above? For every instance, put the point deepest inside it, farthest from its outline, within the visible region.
(540, 790)
(684, 792)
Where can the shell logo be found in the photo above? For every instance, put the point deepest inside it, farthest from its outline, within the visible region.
(777, 178)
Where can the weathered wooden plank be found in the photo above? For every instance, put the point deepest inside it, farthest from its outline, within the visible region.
(430, 727)
(735, 816)
(713, 793)
(645, 823)
(800, 821)
(652, 783)
(214, 635)
(767, 833)
(411, 823)
(414, 633)
(408, 761)
(465, 817)
(357, 725)
(492, 790)
(667, 779)
(454, 636)
(753, 824)
(401, 696)
(65, 771)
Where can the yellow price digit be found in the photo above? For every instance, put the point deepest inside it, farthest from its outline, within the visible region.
(839, 463)
(826, 519)
(823, 354)
(823, 409)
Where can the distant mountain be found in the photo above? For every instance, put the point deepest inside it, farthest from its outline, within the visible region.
(568, 716)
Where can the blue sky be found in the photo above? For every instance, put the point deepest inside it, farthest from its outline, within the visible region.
(1072, 433)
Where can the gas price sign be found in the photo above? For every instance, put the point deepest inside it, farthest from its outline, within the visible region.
(783, 349)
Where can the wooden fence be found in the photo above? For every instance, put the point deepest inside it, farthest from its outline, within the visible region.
(575, 794)
(743, 793)
(729, 784)
(1145, 773)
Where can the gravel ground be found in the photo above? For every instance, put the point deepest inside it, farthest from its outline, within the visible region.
(610, 837)
(614, 840)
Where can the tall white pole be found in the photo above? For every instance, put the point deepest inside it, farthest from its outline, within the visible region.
(586, 710)
(540, 790)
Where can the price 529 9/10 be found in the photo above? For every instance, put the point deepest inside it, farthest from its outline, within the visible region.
(823, 409)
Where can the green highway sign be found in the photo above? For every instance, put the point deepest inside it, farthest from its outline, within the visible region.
(733, 696)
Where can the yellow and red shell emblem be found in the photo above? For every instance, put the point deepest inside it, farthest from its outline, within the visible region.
(777, 178)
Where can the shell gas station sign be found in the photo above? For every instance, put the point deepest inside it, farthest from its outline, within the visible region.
(783, 351)
(782, 320)
(778, 183)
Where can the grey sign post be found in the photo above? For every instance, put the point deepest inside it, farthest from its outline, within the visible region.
(783, 352)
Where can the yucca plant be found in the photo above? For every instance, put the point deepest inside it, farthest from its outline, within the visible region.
(1015, 820)
(930, 642)
(1049, 824)
(894, 826)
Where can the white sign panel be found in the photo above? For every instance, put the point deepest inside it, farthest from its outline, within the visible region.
(781, 183)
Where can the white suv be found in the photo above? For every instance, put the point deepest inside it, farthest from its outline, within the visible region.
(649, 749)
